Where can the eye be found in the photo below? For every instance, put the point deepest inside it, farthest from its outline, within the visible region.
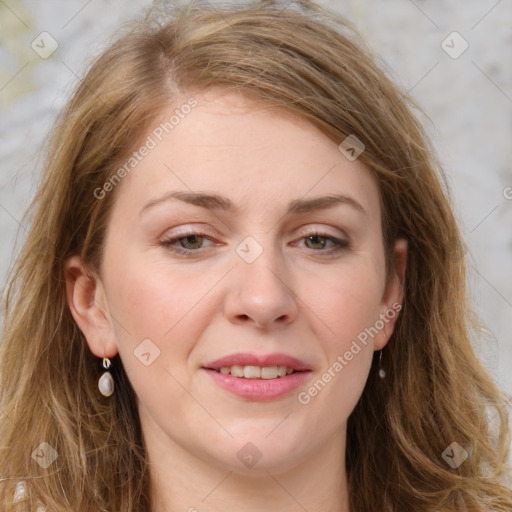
(189, 242)
(318, 241)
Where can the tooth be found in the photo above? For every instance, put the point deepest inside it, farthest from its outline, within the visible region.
(281, 371)
(251, 372)
(237, 371)
(269, 372)
(256, 372)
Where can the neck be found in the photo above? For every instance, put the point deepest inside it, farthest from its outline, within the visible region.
(184, 482)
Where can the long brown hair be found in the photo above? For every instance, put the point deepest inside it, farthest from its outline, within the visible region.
(313, 63)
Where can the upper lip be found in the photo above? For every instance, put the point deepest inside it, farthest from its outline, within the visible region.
(247, 359)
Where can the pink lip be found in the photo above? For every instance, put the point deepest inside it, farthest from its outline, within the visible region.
(247, 359)
(259, 389)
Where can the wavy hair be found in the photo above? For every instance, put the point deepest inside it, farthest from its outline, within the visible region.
(313, 63)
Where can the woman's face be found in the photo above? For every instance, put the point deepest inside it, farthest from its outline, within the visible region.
(263, 267)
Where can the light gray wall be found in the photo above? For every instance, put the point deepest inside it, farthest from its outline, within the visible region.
(468, 100)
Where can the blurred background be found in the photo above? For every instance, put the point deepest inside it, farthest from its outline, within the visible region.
(454, 57)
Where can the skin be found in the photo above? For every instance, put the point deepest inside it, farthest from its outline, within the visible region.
(298, 297)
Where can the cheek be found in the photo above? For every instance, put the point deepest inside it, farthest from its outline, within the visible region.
(348, 305)
(347, 300)
(154, 299)
(149, 311)
(149, 305)
(162, 318)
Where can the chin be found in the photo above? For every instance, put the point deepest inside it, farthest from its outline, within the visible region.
(259, 453)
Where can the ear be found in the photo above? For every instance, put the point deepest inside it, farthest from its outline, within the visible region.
(393, 296)
(88, 304)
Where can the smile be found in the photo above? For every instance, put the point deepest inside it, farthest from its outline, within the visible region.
(256, 372)
(259, 385)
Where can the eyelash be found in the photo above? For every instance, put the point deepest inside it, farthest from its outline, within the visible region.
(169, 242)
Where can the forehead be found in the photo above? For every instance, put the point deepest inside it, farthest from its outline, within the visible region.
(247, 151)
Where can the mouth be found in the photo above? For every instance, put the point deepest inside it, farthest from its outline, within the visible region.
(256, 372)
(252, 366)
(258, 378)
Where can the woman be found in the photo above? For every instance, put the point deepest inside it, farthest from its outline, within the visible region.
(244, 287)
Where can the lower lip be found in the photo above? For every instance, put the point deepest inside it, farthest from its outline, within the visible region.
(259, 389)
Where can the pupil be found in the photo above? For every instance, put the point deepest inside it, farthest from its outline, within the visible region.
(192, 239)
(315, 238)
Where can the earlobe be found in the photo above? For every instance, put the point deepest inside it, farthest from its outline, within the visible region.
(88, 305)
(393, 296)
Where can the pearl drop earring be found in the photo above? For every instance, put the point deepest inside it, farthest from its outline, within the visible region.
(106, 382)
(382, 372)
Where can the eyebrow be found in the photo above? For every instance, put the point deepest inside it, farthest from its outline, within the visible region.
(218, 202)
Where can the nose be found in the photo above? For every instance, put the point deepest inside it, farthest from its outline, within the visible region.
(261, 293)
